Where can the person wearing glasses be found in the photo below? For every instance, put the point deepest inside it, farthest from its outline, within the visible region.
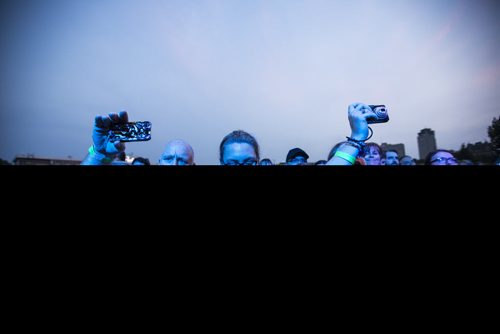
(104, 151)
(440, 158)
(239, 148)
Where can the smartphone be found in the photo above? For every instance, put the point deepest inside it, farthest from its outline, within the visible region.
(381, 112)
(129, 132)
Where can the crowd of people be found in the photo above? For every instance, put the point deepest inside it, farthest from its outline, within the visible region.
(239, 148)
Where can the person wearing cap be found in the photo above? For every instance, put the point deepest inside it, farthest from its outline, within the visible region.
(296, 157)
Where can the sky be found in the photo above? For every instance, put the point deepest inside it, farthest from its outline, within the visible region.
(283, 70)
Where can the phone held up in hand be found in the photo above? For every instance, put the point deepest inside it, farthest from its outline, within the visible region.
(381, 112)
(130, 132)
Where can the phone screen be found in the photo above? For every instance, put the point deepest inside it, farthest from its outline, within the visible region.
(132, 131)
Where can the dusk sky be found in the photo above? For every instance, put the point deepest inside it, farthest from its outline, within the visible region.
(282, 70)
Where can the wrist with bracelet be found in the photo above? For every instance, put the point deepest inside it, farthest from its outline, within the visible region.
(345, 156)
(360, 144)
(356, 144)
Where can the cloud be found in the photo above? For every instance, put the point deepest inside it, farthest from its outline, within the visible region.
(487, 77)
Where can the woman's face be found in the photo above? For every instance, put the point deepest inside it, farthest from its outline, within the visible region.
(372, 156)
(239, 154)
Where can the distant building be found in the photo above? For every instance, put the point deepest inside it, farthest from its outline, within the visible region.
(31, 160)
(400, 148)
(426, 142)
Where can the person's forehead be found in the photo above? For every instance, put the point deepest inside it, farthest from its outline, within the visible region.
(178, 149)
(239, 151)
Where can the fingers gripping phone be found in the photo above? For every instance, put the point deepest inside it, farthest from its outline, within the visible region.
(130, 132)
(381, 114)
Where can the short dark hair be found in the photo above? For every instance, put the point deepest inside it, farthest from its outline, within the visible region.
(385, 153)
(238, 136)
(266, 161)
(377, 146)
(142, 160)
(408, 156)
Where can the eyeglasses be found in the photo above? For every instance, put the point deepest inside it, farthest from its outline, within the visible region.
(237, 163)
(442, 161)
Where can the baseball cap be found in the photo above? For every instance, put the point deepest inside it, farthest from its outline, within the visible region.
(296, 152)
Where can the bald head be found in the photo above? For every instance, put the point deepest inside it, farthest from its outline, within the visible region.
(177, 152)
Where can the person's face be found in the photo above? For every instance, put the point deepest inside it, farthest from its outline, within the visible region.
(298, 160)
(391, 159)
(176, 154)
(407, 161)
(372, 156)
(239, 154)
(443, 158)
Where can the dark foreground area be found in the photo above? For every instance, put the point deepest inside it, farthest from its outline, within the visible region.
(139, 182)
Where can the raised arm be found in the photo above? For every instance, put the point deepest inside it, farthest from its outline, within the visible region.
(103, 151)
(347, 153)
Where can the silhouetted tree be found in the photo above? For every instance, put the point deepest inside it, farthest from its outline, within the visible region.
(4, 162)
(479, 152)
(494, 134)
(463, 153)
